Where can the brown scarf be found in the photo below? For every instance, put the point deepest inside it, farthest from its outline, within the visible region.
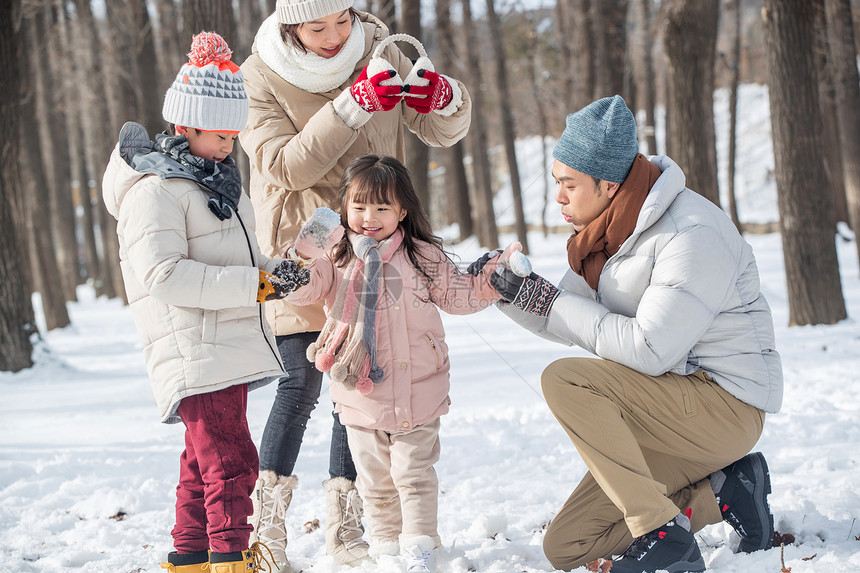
(589, 249)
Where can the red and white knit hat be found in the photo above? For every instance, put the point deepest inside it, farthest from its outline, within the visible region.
(299, 11)
(209, 91)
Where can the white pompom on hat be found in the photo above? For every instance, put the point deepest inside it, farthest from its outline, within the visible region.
(299, 11)
(209, 91)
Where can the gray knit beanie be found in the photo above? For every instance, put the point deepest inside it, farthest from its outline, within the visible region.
(299, 11)
(209, 91)
(600, 140)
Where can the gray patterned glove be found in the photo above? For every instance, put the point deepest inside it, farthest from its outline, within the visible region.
(533, 294)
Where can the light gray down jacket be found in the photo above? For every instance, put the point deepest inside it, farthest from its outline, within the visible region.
(191, 281)
(682, 294)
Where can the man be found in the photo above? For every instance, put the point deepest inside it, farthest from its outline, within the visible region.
(665, 291)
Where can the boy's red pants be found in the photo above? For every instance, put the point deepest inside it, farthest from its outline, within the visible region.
(217, 473)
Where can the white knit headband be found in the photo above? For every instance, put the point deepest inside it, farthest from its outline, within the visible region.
(299, 11)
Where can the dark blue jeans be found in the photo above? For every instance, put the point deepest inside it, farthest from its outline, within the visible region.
(295, 399)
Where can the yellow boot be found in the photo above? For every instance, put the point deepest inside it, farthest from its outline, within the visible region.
(187, 562)
(249, 561)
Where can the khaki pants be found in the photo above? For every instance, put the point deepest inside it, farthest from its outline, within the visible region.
(649, 443)
(397, 481)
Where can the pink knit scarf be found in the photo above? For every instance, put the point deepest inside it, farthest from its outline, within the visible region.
(346, 347)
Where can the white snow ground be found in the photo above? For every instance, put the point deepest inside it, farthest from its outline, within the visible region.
(87, 473)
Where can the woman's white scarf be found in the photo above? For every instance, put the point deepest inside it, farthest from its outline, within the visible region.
(309, 72)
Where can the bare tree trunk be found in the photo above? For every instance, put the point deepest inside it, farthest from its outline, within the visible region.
(733, 113)
(847, 93)
(147, 83)
(508, 135)
(643, 66)
(387, 14)
(72, 99)
(17, 321)
(35, 185)
(121, 59)
(417, 154)
(121, 107)
(485, 216)
(690, 42)
(97, 136)
(579, 21)
(88, 228)
(629, 89)
(455, 171)
(668, 120)
(168, 41)
(608, 24)
(250, 19)
(534, 59)
(831, 154)
(55, 158)
(209, 16)
(565, 40)
(811, 265)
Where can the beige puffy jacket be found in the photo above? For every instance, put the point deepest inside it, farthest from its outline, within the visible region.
(299, 148)
(191, 282)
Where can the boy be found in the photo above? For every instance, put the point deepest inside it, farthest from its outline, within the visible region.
(194, 277)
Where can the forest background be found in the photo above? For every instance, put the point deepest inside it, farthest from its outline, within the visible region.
(73, 71)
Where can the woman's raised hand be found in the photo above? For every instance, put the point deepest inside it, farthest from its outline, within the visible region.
(372, 95)
(435, 95)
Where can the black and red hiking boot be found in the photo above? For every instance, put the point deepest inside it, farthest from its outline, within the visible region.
(669, 548)
(743, 502)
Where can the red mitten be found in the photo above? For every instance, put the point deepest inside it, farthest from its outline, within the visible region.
(371, 95)
(425, 99)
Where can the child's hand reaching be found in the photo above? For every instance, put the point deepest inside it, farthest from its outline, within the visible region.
(288, 277)
(317, 237)
(512, 258)
(478, 265)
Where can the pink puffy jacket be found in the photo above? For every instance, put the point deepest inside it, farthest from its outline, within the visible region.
(411, 345)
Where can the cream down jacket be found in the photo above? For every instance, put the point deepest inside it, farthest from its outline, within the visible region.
(681, 295)
(299, 148)
(191, 282)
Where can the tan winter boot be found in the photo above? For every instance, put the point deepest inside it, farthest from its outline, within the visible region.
(343, 528)
(272, 496)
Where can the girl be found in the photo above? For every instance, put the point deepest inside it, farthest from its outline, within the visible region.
(312, 110)
(384, 346)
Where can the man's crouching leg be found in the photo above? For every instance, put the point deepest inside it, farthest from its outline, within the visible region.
(587, 527)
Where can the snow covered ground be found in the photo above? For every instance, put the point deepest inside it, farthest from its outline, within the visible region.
(87, 473)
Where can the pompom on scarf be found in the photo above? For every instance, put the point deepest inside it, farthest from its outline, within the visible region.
(346, 347)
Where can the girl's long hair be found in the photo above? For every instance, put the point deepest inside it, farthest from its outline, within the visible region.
(375, 179)
(290, 32)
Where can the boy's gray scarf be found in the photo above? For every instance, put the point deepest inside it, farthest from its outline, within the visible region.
(346, 347)
(169, 158)
(221, 178)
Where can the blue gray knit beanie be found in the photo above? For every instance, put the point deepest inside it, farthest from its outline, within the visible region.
(600, 140)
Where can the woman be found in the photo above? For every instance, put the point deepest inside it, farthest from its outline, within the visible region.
(313, 110)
